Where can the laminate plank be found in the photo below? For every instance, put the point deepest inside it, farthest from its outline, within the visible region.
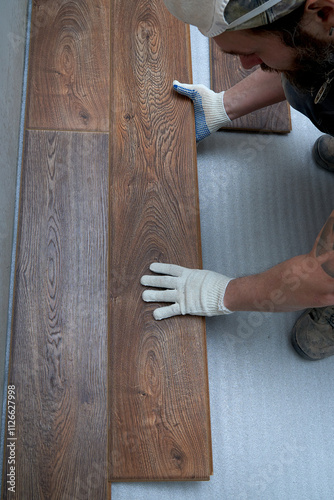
(158, 383)
(69, 65)
(226, 71)
(59, 332)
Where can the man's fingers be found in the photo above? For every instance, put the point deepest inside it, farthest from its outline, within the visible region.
(159, 281)
(183, 88)
(171, 278)
(159, 296)
(166, 312)
(170, 269)
(177, 85)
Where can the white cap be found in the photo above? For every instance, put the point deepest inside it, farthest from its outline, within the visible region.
(213, 17)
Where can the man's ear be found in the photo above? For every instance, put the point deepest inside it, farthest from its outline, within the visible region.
(320, 13)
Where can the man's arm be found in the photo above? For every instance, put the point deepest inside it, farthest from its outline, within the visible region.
(256, 91)
(298, 283)
(214, 110)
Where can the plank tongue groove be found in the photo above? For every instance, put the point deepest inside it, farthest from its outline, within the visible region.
(159, 424)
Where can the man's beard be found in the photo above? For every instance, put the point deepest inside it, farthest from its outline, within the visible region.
(314, 61)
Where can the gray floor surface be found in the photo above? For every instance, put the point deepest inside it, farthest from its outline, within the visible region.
(262, 200)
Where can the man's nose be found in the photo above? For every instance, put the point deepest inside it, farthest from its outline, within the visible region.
(250, 61)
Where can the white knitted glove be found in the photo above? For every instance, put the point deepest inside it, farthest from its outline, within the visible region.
(209, 108)
(190, 291)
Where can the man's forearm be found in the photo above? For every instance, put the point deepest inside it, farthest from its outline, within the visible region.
(256, 91)
(285, 287)
(295, 284)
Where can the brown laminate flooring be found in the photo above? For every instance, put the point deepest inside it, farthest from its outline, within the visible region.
(103, 392)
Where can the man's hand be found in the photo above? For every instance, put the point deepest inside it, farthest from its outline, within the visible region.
(210, 114)
(189, 291)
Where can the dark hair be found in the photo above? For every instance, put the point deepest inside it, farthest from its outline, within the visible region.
(313, 60)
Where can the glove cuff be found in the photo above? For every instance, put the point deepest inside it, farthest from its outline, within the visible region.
(215, 112)
(221, 306)
(215, 295)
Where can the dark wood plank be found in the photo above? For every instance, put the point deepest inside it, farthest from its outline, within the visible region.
(59, 333)
(226, 71)
(159, 402)
(69, 65)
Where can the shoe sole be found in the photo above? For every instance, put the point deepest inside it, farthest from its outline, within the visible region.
(317, 158)
(298, 349)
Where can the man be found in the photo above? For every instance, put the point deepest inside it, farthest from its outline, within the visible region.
(292, 41)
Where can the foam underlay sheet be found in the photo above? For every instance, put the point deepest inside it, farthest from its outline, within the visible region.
(262, 200)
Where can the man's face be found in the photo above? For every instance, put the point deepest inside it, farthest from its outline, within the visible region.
(305, 63)
(254, 49)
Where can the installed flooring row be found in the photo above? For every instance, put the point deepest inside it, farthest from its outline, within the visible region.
(103, 392)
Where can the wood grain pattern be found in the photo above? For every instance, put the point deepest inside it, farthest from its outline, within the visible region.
(226, 71)
(159, 403)
(59, 332)
(69, 65)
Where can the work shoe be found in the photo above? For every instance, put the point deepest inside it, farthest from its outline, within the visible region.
(313, 334)
(323, 152)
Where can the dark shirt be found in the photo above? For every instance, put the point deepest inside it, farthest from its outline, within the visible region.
(321, 114)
